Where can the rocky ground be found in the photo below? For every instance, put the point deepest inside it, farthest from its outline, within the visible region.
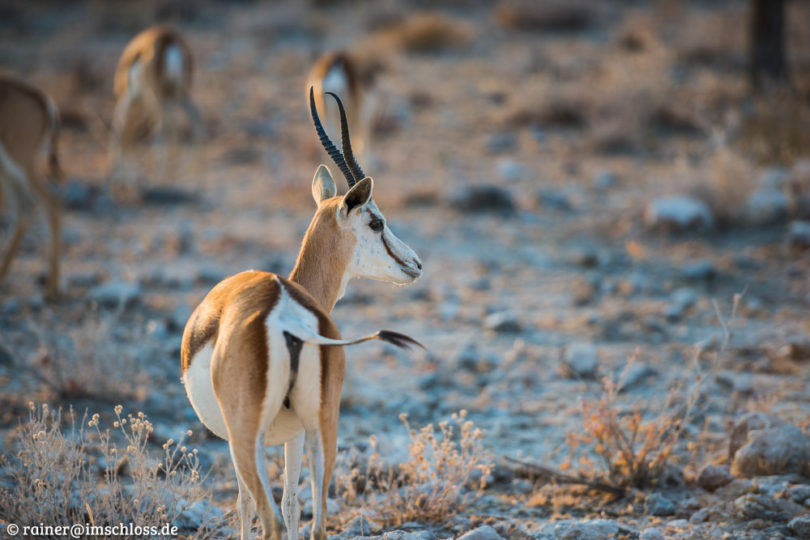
(588, 187)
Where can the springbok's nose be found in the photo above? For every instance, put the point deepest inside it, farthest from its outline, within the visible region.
(418, 264)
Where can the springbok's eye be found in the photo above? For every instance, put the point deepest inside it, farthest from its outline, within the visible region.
(376, 225)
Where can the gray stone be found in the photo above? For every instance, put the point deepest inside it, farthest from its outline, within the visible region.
(360, 526)
(775, 178)
(209, 275)
(605, 179)
(554, 200)
(502, 322)
(658, 505)
(332, 507)
(483, 198)
(651, 533)
(799, 234)
(781, 449)
(77, 195)
(195, 515)
(712, 477)
(757, 506)
(588, 529)
(679, 302)
(678, 213)
(702, 270)
(179, 317)
(636, 374)
(799, 493)
(113, 293)
(767, 206)
(800, 526)
(748, 422)
(484, 532)
(408, 535)
(580, 361)
(510, 170)
(502, 142)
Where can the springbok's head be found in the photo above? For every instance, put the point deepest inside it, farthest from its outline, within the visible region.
(362, 230)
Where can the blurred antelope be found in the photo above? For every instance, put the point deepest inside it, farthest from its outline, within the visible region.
(347, 75)
(153, 76)
(262, 360)
(29, 128)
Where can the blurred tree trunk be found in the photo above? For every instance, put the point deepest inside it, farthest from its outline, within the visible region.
(767, 44)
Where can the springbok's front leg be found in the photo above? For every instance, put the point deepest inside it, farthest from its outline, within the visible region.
(293, 450)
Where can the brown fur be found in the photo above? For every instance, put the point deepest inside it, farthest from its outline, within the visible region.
(360, 74)
(30, 121)
(325, 253)
(233, 315)
(145, 110)
(149, 48)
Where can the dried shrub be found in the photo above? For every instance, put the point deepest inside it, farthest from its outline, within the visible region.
(559, 15)
(426, 33)
(634, 450)
(776, 131)
(634, 445)
(725, 181)
(87, 361)
(83, 476)
(445, 470)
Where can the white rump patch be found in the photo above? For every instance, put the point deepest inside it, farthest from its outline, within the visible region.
(174, 63)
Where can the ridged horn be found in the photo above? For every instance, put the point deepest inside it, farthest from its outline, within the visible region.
(330, 148)
(348, 154)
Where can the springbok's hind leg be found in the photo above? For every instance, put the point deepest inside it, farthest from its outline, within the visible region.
(53, 207)
(245, 506)
(293, 451)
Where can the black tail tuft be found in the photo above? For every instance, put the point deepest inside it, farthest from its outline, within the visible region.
(400, 340)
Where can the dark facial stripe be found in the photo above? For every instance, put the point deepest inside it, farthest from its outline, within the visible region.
(390, 252)
(294, 347)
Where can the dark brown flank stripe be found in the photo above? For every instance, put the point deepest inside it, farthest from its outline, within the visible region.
(294, 345)
(326, 327)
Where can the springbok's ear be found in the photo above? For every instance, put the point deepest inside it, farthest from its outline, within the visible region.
(323, 186)
(358, 196)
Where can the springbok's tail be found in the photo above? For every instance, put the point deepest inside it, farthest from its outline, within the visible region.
(395, 338)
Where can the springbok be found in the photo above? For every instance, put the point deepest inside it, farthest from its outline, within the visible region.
(29, 129)
(346, 74)
(153, 76)
(261, 357)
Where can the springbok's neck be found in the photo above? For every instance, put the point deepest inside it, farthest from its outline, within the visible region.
(323, 260)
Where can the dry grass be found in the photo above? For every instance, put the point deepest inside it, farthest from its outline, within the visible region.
(425, 33)
(445, 471)
(725, 180)
(86, 362)
(549, 15)
(634, 445)
(81, 475)
(776, 131)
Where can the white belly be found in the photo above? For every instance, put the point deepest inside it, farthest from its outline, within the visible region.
(200, 391)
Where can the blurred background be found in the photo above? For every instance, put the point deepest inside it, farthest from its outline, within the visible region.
(585, 182)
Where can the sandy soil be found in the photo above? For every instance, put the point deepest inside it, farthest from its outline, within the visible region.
(581, 128)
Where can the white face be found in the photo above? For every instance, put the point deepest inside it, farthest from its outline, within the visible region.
(378, 253)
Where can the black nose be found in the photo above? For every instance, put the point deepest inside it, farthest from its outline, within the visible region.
(418, 264)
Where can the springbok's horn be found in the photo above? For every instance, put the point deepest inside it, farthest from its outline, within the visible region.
(357, 172)
(333, 152)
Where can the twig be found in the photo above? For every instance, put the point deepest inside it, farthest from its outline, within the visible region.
(567, 478)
